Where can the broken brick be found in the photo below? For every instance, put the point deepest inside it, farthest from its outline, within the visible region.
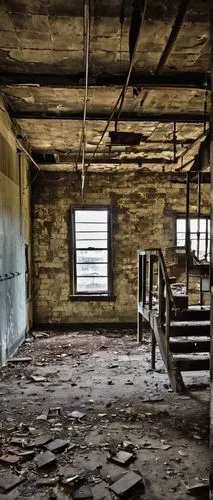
(126, 483)
(10, 459)
(121, 458)
(57, 445)
(41, 440)
(45, 459)
(83, 493)
(9, 481)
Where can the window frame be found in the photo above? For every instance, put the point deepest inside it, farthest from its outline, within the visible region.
(192, 216)
(75, 295)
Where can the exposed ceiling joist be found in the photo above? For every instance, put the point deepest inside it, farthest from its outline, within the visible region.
(191, 80)
(140, 160)
(125, 117)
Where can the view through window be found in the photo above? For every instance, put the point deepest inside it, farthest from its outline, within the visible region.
(204, 231)
(92, 251)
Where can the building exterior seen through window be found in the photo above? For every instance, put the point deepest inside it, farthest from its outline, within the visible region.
(198, 231)
(91, 251)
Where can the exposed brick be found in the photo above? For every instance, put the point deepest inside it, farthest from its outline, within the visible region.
(143, 217)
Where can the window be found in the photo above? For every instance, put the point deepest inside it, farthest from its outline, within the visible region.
(204, 231)
(92, 257)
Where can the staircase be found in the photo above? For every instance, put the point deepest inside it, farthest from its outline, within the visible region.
(182, 332)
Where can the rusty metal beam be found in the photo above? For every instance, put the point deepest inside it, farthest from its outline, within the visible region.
(126, 117)
(97, 160)
(175, 79)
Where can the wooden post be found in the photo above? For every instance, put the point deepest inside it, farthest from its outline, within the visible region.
(144, 280)
(167, 328)
(211, 258)
(139, 299)
(153, 349)
(161, 301)
(150, 281)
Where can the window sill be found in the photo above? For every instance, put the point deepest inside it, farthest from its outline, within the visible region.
(85, 298)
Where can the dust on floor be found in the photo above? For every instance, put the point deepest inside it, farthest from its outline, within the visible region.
(121, 404)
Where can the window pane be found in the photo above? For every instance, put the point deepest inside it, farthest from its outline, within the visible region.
(181, 225)
(91, 215)
(203, 225)
(202, 248)
(90, 227)
(91, 244)
(92, 285)
(91, 236)
(92, 269)
(180, 243)
(92, 256)
(194, 245)
(193, 225)
(181, 236)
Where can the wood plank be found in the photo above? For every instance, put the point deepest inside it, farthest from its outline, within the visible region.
(190, 364)
(189, 346)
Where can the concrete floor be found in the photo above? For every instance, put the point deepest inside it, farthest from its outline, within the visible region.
(107, 377)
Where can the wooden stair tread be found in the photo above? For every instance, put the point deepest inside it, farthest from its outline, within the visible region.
(190, 323)
(183, 345)
(189, 338)
(192, 362)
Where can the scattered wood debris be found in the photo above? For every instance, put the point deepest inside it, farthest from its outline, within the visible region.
(20, 360)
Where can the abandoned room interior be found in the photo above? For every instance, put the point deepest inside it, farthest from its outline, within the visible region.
(106, 164)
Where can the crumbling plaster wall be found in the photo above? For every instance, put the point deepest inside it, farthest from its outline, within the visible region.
(15, 311)
(144, 208)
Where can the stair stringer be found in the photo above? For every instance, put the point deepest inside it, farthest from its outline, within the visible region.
(174, 374)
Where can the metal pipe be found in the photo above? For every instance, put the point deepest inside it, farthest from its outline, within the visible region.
(187, 233)
(28, 154)
(132, 60)
(171, 40)
(198, 212)
(173, 35)
(192, 146)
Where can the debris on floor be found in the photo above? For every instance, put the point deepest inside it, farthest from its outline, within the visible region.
(45, 459)
(126, 484)
(69, 431)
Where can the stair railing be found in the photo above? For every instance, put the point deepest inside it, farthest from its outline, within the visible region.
(146, 260)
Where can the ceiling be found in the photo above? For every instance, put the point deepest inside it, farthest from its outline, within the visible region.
(42, 78)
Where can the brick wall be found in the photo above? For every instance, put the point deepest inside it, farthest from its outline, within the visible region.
(144, 208)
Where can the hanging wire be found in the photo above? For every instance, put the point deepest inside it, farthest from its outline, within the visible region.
(205, 103)
(84, 132)
(123, 91)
